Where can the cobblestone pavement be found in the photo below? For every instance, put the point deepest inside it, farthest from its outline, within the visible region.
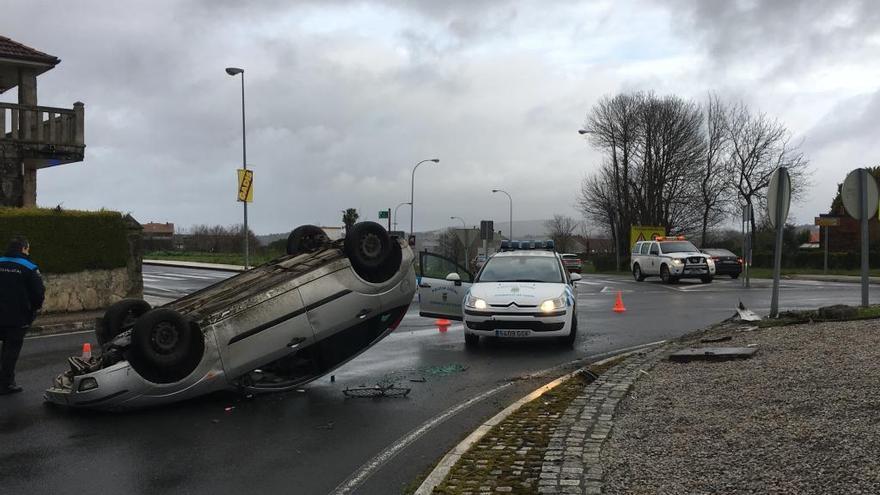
(552, 444)
(571, 460)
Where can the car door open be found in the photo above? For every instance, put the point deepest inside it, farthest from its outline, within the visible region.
(442, 286)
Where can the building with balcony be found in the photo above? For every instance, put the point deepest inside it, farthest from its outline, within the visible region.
(32, 137)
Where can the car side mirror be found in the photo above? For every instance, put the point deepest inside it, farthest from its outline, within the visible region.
(454, 277)
(575, 277)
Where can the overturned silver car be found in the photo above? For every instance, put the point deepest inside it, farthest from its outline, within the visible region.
(272, 328)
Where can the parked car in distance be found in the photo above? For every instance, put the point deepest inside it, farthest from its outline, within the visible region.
(572, 262)
(726, 263)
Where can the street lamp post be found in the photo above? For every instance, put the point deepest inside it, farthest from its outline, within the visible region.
(395, 213)
(511, 211)
(233, 71)
(466, 237)
(412, 191)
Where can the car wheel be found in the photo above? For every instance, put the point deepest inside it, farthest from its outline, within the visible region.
(637, 273)
(305, 239)
(471, 340)
(118, 317)
(372, 253)
(569, 340)
(664, 274)
(165, 347)
(706, 280)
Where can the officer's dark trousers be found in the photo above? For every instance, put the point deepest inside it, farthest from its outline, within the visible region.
(13, 338)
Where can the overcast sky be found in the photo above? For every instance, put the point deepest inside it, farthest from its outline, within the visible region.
(344, 97)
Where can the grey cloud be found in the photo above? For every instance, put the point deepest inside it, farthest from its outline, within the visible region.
(784, 36)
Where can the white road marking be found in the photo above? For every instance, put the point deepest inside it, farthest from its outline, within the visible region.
(373, 465)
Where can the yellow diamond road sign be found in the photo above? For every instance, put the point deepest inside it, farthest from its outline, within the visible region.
(644, 233)
(246, 185)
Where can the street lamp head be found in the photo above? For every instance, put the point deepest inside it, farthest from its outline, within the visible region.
(583, 131)
(233, 71)
(435, 160)
(494, 190)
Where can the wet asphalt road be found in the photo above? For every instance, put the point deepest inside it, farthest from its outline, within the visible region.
(311, 442)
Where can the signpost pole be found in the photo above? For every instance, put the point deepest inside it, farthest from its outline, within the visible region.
(825, 267)
(863, 206)
(779, 215)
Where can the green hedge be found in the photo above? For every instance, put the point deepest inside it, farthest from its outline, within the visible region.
(67, 241)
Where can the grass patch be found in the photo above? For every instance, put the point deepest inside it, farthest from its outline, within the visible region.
(758, 272)
(512, 453)
(206, 257)
(809, 316)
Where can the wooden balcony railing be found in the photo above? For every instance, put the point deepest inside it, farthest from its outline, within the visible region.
(42, 125)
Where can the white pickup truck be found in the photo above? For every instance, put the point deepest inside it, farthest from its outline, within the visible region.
(671, 259)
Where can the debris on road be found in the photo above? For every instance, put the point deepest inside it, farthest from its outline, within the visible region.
(448, 369)
(712, 354)
(745, 314)
(418, 380)
(721, 338)
(380, 390)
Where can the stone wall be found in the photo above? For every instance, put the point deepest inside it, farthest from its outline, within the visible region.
(88, 290)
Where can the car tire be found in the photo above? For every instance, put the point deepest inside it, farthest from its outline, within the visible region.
(706, 280)
(165, 347)
(571, 338)
(637, 273)
(664, 274)
(471, 340)
(119, 316)
(372, 253)
(305, 239)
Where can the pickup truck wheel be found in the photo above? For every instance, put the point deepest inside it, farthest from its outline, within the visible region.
(637, 273)
(706, 280)
(305, 239)
(118, 317)
(165, 348)
(664, 274)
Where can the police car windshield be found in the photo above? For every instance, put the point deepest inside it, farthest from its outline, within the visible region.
(521, 269)
(678, 247)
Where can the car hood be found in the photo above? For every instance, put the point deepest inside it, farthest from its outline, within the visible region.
(521, 293)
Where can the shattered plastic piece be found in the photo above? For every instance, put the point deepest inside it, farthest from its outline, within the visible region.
(380, 390)
(752, 345)
(644, 372)
(746, 314)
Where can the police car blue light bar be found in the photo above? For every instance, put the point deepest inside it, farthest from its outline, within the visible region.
(511, 245)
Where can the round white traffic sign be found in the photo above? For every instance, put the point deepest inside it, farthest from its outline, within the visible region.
(777, 196)
(849, 193)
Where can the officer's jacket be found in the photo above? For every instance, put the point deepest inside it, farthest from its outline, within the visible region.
(21, 291)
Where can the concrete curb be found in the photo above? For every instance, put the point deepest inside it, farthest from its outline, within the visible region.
(195, 264)
(442, 469)
(59, 328)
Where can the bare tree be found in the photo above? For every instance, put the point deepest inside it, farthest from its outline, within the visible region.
(561, 229)
(451, 246)
(758, 146)
(715, 191)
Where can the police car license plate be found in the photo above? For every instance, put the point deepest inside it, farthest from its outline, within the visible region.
(512, 333)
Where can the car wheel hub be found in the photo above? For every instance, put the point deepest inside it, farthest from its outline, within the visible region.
(371, 246)
(165, 338)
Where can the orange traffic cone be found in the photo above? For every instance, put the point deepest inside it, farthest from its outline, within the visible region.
(87, 351)
(443, 324)
(618, 305)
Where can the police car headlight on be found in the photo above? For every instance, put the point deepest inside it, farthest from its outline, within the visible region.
(677, 262)
(553, 304)
(475, 302)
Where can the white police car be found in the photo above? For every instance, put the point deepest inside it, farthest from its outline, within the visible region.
(522, 293)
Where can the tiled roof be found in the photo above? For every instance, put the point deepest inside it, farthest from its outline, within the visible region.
(15, 50)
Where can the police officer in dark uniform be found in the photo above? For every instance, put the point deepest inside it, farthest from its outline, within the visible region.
(21, 296)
